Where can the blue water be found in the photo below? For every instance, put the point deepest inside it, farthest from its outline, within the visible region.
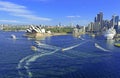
(83, 60)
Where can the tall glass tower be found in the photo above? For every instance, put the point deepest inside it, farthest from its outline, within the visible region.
(115, 20)
(99, 21)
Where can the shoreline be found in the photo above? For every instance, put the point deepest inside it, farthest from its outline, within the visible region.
(42, 35)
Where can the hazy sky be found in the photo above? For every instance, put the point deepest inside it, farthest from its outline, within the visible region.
(51, 12)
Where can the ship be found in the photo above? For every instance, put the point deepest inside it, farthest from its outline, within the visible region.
(110, 33)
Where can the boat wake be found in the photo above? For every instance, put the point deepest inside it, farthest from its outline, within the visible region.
(42, 50)
(81, 38)
(101, 48)
(26, 62)
(71, 47)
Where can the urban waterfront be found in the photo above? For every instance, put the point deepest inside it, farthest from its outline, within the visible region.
(82, 59)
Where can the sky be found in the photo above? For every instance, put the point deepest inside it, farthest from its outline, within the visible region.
(53, 12)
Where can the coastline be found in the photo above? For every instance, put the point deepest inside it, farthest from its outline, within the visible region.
(42, 35)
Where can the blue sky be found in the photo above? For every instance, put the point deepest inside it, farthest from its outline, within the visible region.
(51, 12)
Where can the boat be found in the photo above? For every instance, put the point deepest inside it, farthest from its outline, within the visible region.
(101, 48)
(93, 35)
(13, 36)
(79, 36)
(96, 45)
(34, 48)
(39, 43)
(110, 33)
(117, 44)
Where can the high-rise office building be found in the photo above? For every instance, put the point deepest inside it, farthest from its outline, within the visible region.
(119, 26)
(90, 27)
(98, 22)
(100, 19)
(95, 20)
(115, 20)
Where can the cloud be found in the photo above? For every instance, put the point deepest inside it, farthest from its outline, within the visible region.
(77, 16)
(10, 21)
(32, 17)
(20, 11)
(10, 5)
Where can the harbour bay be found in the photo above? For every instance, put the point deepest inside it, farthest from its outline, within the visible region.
(49, 61)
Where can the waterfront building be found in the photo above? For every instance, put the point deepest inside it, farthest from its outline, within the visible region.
(90, 27)
(78, 31)
(1, 27)
(96, 27)
(42, 30)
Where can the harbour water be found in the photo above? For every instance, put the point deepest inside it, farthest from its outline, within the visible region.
(81, 58)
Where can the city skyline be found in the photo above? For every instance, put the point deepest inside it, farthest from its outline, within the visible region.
(53, 12)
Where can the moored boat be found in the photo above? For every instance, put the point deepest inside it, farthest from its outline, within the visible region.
(117, 44)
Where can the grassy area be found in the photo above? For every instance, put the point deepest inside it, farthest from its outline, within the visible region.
(60, 30)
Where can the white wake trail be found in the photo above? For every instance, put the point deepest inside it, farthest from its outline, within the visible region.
(22, 60)
(71, 47)
(101, 48)
(25, 62)
(21, 65)
(34, 58)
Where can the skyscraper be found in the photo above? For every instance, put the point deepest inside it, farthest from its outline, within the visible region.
(119, 26)
(100, 19)
(98, 22)
(95, 20)
(115, 20)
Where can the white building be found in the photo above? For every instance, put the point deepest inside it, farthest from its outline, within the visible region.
(43, 30)
(49, 32)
